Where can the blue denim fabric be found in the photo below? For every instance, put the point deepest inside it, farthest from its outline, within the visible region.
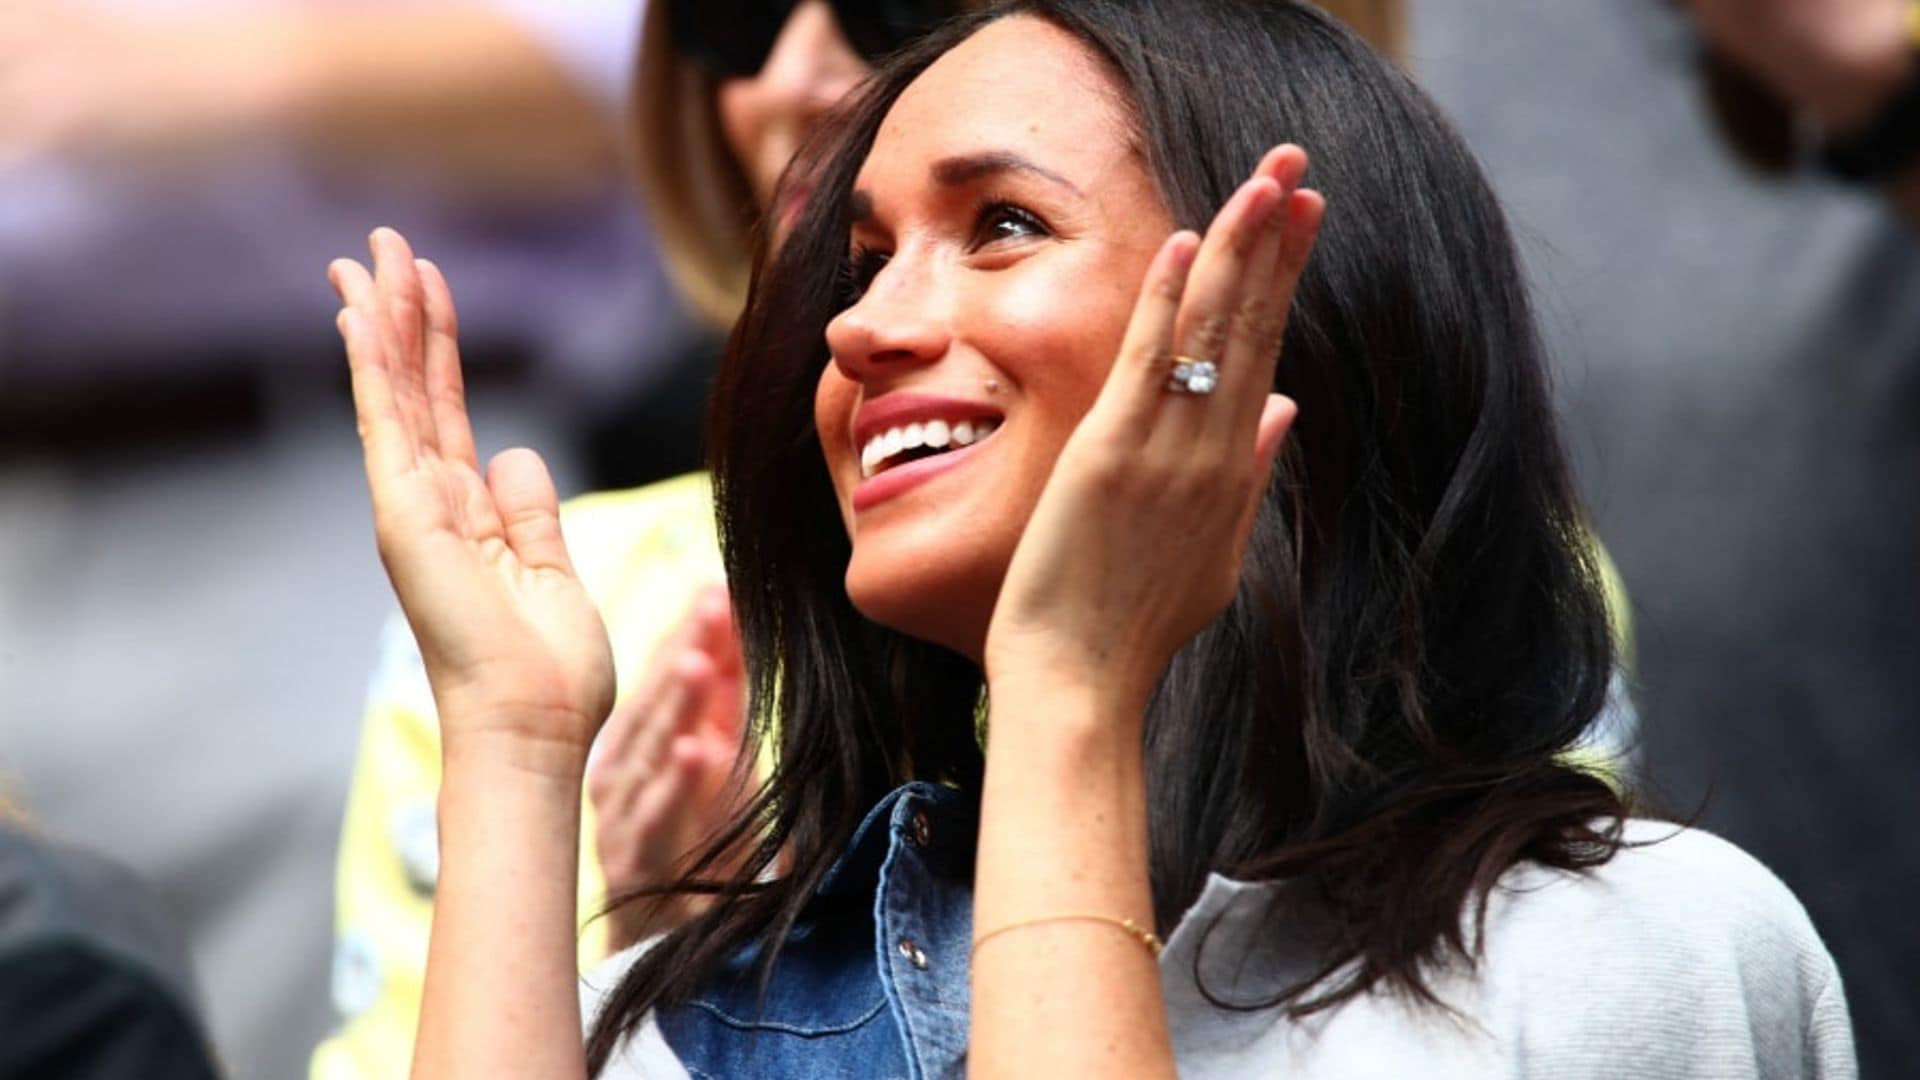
(873, 981)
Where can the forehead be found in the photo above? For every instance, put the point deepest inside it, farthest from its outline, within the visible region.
(1020, 84)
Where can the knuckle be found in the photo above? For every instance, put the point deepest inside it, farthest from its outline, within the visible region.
(1261, 322)
(1209, 335)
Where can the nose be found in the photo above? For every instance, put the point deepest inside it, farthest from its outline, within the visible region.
(898, 325)
(812, 64)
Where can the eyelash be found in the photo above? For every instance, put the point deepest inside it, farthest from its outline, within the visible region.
(863, 264)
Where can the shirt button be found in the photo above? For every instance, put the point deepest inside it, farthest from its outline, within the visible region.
(913, 953)
(922, 830)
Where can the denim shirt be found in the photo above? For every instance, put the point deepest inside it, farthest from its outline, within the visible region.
(1679, 958)
(873, 983)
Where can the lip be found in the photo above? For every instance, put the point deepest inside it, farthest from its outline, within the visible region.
(901, 408)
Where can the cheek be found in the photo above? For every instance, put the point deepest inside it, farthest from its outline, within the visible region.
(1059, 334)
(834, 399)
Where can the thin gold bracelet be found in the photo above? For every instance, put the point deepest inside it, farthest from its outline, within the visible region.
(1144, 936)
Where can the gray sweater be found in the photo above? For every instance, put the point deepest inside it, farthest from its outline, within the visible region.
(1681, 959)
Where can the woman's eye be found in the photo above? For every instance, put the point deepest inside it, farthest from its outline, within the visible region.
(1005, 221)
(858, 271)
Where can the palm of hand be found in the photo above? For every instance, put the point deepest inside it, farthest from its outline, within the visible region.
(513, 645)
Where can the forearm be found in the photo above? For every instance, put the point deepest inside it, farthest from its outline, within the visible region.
(501, 996)
(464, 89)
(461, 92)
(1064, 831)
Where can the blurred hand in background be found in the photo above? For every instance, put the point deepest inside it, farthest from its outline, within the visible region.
(666, 773)
(460, 90)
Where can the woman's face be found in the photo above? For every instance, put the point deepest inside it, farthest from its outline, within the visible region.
(765, 117)
(1005, 219)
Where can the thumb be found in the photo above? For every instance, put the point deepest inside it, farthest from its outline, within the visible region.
(529, 509)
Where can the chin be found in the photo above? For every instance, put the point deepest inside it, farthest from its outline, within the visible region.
(946, 602)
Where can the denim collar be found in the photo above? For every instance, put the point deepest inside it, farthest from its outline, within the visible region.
(948, 819)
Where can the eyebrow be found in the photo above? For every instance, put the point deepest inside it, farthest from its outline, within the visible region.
(967, 168)
(963, 169)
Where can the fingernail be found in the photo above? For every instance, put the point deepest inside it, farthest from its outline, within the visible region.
(1186, 245)
(1265, 196)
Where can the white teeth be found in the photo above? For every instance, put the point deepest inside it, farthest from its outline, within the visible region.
(937, 434)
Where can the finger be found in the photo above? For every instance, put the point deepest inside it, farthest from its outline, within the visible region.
(1215, 314)
(1305, 211)
(401, 323)
(529, 509)
(689, 678)
(1248, 387)
(1247, 366)
(661, 816)
(712, 625)
(1277, 414)
(1134, 388)
(446, 389)
(383, 432)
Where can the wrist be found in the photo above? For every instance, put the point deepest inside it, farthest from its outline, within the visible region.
(1062, 696)
(498, 753)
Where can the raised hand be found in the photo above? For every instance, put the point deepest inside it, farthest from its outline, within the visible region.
(1137, 541)
(666, 774)
(514, 649)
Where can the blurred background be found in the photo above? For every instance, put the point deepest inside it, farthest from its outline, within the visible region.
(189, 596)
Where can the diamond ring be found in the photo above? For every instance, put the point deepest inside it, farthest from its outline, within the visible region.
(1192, 375)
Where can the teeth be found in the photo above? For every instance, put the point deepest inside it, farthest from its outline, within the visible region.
(937, 434)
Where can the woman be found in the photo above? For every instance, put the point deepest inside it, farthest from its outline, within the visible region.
(975, 453)
(721, 99)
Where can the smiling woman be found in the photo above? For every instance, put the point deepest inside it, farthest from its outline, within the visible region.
(1275, 782)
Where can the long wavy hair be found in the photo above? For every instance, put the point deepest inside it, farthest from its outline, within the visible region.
(1419, 634)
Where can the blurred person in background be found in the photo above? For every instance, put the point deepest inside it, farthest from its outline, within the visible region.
(95, 983)
(724, 96)
(170, 173)
(1834, 82)
(170, 169)
(1739, 364)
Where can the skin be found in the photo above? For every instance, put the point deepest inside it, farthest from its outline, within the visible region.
(1838, 61)
(766, 116)
(1145, 510)
(971, 295)
(665, 773)
(440, 89)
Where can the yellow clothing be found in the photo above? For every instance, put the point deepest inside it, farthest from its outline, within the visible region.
(643, 555)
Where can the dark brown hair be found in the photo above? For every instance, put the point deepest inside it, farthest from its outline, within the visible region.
(1419, 634)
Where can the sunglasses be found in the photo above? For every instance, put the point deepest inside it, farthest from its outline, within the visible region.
(731, 38)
